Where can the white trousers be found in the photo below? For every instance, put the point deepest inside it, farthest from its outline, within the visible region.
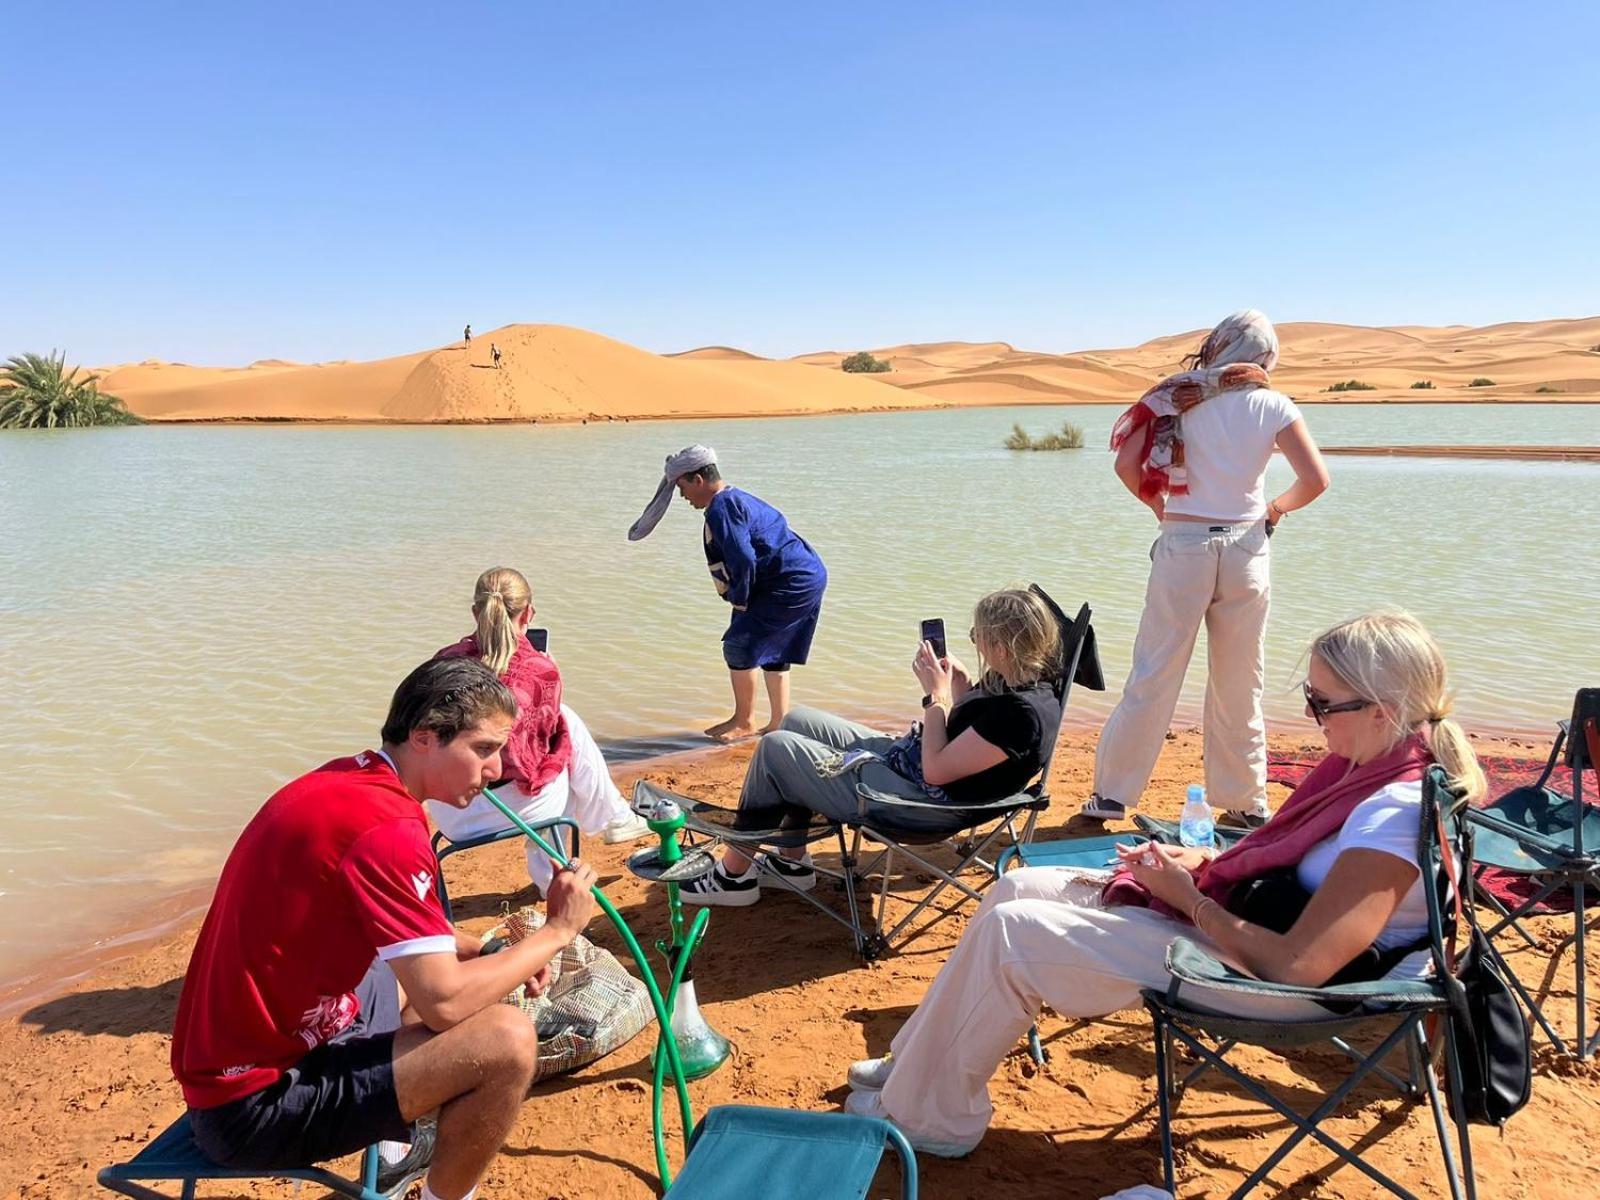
(1219, 575)
(1041, 936)
(583, 791)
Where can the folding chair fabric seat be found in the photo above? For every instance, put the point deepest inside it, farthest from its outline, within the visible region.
(173, 1157)
(739, 1151)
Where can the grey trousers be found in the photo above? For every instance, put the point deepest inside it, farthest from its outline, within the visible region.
(783, 788)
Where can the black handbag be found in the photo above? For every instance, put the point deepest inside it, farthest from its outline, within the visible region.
(1494, 1047)
(1493, 1043)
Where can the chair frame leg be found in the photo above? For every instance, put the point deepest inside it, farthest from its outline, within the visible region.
(1304, 1126)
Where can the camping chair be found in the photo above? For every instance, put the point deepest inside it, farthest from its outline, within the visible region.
(443, 847)
(739, 1151)
(1398, 1010)
(174, 1158)
(1554, 841)
(983, 825)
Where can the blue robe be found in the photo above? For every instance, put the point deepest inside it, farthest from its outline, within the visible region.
(763, 567)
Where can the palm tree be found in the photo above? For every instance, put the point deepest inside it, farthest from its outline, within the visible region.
(38, 392)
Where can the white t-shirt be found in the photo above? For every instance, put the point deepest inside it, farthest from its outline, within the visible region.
(1388, 820)
(1227, 443)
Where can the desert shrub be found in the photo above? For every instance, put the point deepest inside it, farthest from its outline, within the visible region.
(1547, 390)
(1480, 381)
(1422, 385)
(1352, 385)
(38, 392)
(1070, 438)
(862, 362)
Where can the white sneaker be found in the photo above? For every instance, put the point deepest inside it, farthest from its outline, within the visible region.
(870, 1104)
(624, 829)
(870, 1074)
(718, 887)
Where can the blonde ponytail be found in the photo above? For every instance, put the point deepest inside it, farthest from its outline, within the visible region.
(500, 597)
(1392, 660)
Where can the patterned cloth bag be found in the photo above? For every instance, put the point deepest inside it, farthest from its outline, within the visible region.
(592, 1007)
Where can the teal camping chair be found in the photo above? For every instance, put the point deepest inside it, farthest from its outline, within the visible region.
(780, 1154)
(174, 1158)
(1553, 841)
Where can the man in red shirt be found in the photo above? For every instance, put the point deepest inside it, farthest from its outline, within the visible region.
(289, 1042)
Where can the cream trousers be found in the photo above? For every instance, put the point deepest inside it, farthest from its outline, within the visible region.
(1219, 575)
(583, 791)
(1041, 936)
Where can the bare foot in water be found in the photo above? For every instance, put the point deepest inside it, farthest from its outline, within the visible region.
(731, 731)
(772, 727)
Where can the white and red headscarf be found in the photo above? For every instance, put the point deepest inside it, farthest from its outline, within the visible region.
(1238, 353)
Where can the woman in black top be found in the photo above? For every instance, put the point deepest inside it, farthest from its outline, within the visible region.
(981, 738)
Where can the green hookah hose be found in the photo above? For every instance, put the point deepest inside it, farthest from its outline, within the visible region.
(666, 1042)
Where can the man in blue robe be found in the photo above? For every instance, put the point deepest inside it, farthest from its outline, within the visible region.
(769, 574)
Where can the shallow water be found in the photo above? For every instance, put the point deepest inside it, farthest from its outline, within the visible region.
(190, 616)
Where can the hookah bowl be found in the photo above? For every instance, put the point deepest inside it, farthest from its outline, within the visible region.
(701, 1049)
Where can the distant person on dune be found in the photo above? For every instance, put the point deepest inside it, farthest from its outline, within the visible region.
(769, 574)
(494, 353)
(551, 766)
(1195, 450)
(467, 335)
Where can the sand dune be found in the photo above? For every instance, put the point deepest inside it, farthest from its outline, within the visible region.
(556, 373)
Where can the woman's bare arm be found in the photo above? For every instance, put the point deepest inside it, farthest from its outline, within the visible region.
(1310, 472)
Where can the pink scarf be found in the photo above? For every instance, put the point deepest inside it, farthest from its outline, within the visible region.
(1315, 812)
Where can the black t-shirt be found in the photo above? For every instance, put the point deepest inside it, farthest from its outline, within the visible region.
(1018, 723)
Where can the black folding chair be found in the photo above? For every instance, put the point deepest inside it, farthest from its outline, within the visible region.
(1554, 841)
(893, 824)
(1397, 1011)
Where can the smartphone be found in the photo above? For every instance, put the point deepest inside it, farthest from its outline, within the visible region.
(933, 632)
(539, 639)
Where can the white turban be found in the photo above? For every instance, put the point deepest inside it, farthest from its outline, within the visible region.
(691, 458)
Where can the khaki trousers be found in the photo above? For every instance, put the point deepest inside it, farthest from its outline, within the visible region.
(1219, 575)
(1041, 936)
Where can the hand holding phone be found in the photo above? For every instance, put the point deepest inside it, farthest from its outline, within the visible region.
(933, 633)
(539, 639)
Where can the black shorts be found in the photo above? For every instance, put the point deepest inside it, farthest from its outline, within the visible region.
(336, 1100)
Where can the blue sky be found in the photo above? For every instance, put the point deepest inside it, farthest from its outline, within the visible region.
(230, 182)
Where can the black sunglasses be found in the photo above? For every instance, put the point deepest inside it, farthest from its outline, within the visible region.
(1321, 709)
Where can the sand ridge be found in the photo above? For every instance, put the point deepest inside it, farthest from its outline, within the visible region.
(558, 373)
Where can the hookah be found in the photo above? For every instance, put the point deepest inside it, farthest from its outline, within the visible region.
(686, 1045)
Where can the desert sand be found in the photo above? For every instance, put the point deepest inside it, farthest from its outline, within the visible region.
(88, 1080)
(556, 373)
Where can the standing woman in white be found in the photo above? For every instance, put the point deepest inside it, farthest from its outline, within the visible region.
(1195, 450)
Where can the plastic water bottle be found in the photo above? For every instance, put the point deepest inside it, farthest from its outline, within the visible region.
(1195, 827)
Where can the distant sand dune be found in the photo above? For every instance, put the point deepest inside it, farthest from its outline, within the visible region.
(556, 373)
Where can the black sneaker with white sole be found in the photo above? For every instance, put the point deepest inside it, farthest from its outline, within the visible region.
(720, 888)
(797, 873)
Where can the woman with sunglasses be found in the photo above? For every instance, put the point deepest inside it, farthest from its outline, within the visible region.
(552, 766)
(981, 738)
(1329, 888)
(1195, 450)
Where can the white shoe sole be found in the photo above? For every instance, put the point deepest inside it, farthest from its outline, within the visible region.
(742, 899)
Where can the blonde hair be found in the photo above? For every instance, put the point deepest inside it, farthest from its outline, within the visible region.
(1021, 622)
(1390, 659)
(499, 598)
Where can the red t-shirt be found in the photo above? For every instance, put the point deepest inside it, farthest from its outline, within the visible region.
(334, 871)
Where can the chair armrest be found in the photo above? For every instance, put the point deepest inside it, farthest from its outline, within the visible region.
(867, 794)
(1188, 962)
